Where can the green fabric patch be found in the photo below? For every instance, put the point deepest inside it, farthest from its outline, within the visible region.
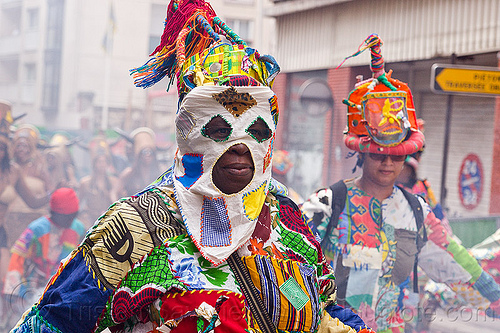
(152, 269)
(183, 243)
(295, 241)
(356, 300)
(214, 275)
(294, 293)
(464, 259)
(200, 324)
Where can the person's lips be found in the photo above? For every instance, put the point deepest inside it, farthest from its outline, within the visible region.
(239, 169)
(386, 172)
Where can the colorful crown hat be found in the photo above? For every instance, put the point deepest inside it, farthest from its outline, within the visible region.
(6, 120)
(191, 47)
(143, 137)
(99, 146)
(29, 133)
(380, 111)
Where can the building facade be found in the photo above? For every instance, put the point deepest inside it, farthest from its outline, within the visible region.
(315, 36)
(65, 63)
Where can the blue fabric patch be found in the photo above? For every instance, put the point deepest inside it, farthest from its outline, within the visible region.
(74, 302)
(276, 188)
(193, 169)
(33, 320)
(215, 224)
(404, 285)
(487, 286)
(346, 316)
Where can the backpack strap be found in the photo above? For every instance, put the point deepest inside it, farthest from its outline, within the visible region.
(339, 193)
(416, 207)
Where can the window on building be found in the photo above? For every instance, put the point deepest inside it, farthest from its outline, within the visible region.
(10, 21)
(30, 73)
(55, 20)
(32, 18)
(244, 28)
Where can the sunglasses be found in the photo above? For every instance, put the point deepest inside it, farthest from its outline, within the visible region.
(382, 157)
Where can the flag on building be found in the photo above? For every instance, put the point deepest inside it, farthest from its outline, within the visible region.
(107, 41)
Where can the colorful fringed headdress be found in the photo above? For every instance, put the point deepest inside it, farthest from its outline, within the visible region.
(225, 101)
(193, 49)
(380, 111)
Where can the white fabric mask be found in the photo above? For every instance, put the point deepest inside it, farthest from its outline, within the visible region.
(221, 223)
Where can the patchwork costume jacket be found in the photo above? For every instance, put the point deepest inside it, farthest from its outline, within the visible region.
(37, 253)
(373, 250)
(138, 269)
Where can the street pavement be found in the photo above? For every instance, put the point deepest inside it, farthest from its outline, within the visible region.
(463, 321)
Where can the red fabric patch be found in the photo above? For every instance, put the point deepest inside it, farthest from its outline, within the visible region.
(231, 314)
(364, 227)
(263, 228)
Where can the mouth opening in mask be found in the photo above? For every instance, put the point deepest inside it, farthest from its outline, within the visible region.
(234, 169)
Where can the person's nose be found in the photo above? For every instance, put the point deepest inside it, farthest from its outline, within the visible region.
(388, 159)
(239, 149)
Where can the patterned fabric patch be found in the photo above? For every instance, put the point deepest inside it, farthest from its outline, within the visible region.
(234, 102)
(294, 293)
(305, 246)
(364, 218)
(184, 123)
(240, 81)
(487, 286)
(34, 319)
(158, 218)
(215, 225)
(149, 279)
(386, 304)
(193, 169)
(253, 201)
(118, 240)
(296, 308)
(269, 155)
(273, 102)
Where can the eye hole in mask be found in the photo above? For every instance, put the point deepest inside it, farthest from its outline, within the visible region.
(259, 130)
(217, 129)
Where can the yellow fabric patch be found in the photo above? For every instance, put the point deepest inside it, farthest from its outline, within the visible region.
(254, 200)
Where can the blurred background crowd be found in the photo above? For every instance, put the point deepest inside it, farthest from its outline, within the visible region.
(53, 187)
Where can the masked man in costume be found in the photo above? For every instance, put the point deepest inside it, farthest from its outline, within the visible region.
(207, 247)
(372, 231)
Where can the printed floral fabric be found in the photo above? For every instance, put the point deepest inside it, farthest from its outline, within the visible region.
(137, 269)
(368, 223)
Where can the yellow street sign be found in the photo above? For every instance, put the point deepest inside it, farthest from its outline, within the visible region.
(453, 79)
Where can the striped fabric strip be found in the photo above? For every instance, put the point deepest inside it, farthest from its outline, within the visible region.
(269, 274)
(251, 294)
(269, 288)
